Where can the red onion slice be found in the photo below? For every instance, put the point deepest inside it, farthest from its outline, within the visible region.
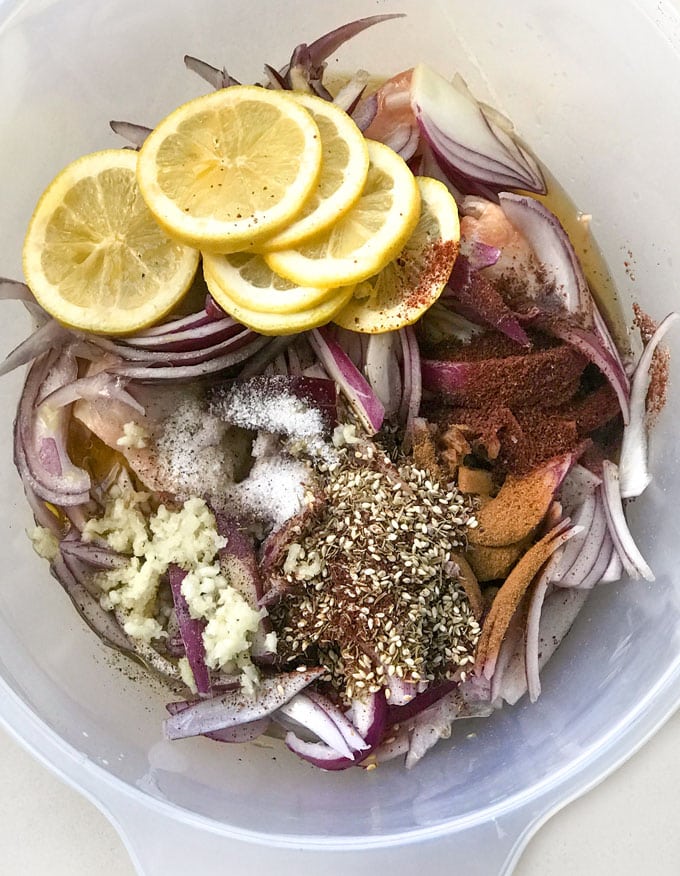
(101, 622)
(326, 45)
(96, 555)
(50, 336)
(531, 636)
(217, 78)
(318, 753)
(633, 561)
(633, 471)
(614, 570)
(370, 717)
(352, 383)
(101, 385)
(239, 734)
(235, 707)
(349, 731)
(381, 369)
(184, 341)
(458, 131)
(191, 631)
(553, 249)
(40, 436)
(350, 94)
(243, 346)
(310, 715)
(237, 336)
(413, 383)
(134, 134)
(589, 345)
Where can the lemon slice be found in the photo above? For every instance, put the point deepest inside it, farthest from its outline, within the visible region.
(366, 238)
(409, 285)
(250, 283)
(230, 168)
(95, 258)
(344, 167)
(278, 323)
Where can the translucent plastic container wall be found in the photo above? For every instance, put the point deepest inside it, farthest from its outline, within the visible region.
(573, 78)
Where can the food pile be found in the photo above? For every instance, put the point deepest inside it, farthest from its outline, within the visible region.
(322, 422)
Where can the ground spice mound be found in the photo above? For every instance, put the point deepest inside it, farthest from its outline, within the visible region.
(375, 595)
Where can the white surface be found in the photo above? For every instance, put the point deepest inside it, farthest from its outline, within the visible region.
(626, 826)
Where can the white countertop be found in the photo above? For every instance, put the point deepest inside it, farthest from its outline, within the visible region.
(626, 826)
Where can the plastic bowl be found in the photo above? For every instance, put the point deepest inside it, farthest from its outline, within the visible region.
(570, 78)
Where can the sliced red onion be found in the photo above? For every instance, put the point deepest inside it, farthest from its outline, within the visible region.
(578, 556)
(381, 369)
(235, 707)
(134, 134)
(352, 383)
(326, 45)
(191, 631)
(590, 346)
(553, 249)
(418, 704)
(14, 290)
(217, 78)
(239, 559)
(478, 299)
(42, 515)
(237, 336)
(370, 717)
(96, 555)
(181, 324)
(238, 734)
(40, 435)
(531, 636)
(257, 363)
(413, 383)
(633, 471)
(318, 753)
(633, 561)
(403, 140)
(350, 94)
(587, 556)
(400, 692)
(101, 385)
(461, 137)
(193, 338)
(276, 80)
(50, 336)
(364, 112)
(243, 346)
(435, 723)
(614, 570)
(579, 483)
(479, 255)
(313, 717)
(349, 731)
(393, 747)
(101, 622)
(509, 681)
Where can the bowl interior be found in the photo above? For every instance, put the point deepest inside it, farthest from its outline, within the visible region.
(567, 74)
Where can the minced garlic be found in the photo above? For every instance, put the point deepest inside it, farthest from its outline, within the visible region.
(45, 543)
(189, 539)
(134, 435)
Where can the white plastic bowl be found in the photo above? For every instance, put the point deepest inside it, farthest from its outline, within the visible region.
(571, 77)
